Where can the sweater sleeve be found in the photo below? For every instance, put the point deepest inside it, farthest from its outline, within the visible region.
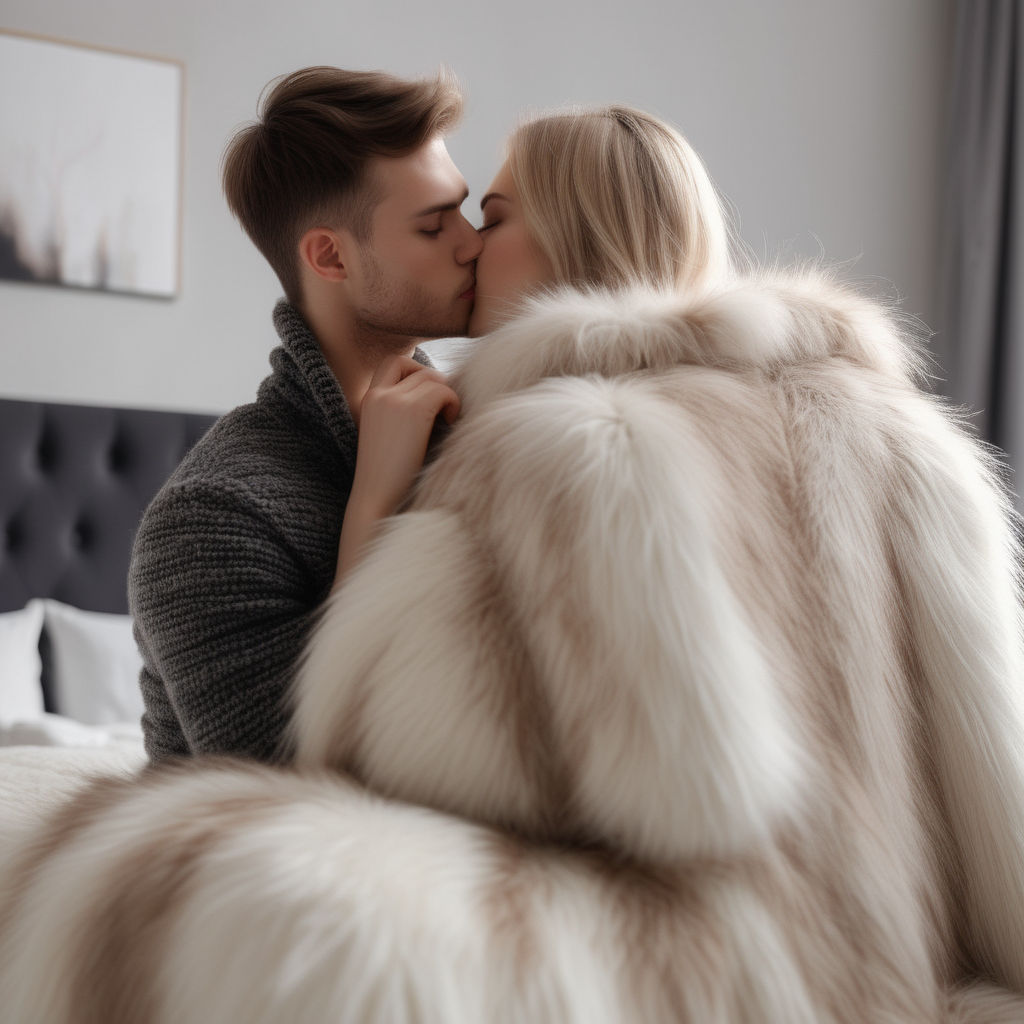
(222, 606)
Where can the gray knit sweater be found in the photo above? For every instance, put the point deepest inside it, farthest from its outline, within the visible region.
(236, 553)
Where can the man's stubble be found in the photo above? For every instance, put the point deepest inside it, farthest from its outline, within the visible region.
(395, 312)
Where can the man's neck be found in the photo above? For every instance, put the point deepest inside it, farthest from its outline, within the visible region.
(354, 355)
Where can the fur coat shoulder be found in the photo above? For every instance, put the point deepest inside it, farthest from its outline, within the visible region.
(709, 584)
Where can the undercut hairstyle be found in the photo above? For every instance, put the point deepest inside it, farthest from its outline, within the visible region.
(304, 162)
(615, 197)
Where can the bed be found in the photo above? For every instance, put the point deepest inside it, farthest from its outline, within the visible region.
(74, 481)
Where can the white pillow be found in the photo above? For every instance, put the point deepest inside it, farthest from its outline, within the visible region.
(95, 665)
(21, 688)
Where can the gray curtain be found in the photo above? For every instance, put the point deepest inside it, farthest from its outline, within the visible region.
(980, 339)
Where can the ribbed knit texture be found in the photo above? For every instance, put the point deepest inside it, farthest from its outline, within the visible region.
(235, 554)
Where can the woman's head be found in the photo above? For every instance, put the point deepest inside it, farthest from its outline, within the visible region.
(603, 198)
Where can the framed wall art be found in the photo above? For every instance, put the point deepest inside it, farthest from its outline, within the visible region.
(90, 167)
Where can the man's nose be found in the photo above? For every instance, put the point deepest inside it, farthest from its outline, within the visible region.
(470, 244)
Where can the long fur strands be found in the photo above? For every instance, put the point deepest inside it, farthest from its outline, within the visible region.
(687, 688)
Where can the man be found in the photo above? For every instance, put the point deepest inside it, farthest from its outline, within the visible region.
(346, 187)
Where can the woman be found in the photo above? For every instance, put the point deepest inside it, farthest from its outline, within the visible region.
(701, 578)
(604, 198)
(697, 645)
(613, 197)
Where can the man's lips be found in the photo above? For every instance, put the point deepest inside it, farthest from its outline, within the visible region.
(470, 291)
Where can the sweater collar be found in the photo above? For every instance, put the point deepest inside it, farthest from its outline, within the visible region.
(304, 380)
(302, 377)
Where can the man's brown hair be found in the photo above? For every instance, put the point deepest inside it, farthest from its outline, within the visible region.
(305, 160)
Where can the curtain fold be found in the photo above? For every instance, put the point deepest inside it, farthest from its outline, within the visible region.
(980, 339)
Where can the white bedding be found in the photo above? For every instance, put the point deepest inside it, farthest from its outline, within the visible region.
(46, 730)
(46, 757)
(44, 760)
(35, 780)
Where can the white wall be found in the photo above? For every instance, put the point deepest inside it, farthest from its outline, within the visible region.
(822, 120)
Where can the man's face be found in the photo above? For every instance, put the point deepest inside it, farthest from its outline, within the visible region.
(414, 276)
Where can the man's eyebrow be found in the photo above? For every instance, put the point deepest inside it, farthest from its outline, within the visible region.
(442, 207)
(492, 195)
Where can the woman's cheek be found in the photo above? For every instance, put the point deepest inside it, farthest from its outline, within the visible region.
(488, 265)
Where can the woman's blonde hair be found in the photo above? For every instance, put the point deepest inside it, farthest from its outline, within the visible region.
(613, 196)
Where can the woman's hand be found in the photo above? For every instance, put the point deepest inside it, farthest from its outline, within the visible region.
(395, 422)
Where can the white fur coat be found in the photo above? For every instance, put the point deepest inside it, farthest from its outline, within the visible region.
(698, 648)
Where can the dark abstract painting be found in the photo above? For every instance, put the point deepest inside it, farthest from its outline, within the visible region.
(90, 167)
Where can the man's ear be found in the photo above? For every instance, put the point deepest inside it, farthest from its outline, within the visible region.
(325, 253)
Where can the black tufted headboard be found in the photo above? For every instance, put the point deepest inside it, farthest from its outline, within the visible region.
(74, 481)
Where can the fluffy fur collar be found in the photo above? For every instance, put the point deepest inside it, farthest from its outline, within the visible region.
(763, 322)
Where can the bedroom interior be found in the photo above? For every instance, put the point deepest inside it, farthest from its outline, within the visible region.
(827, 126)
(74, 481)
(780, 152)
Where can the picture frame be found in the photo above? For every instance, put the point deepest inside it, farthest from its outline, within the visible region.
(91, 167)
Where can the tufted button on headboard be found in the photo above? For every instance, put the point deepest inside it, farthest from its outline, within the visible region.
(74, 482)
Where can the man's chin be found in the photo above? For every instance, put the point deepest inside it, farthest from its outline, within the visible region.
(422, 325)
(457, 327)
(462, 329)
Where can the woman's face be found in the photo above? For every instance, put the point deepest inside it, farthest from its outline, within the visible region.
(510, 265)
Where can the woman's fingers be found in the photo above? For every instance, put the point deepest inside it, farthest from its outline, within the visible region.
(435, 393)
(394, 369)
